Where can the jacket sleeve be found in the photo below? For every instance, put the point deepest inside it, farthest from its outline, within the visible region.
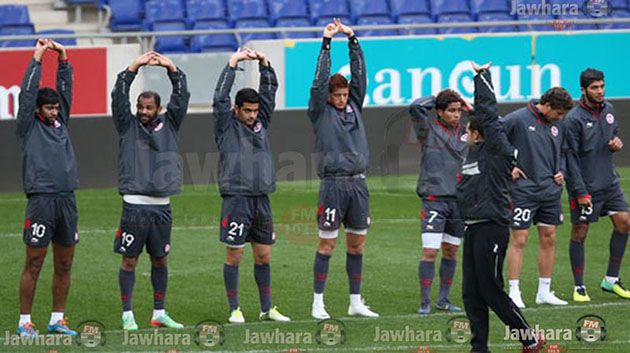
(180, 96)
(221, 105)
(486, 110)
(64, 88)
(267, 91)
(420, 118)
(319, 89)
(575, 180)
(121, 108)
(358, 81)
(27, 99)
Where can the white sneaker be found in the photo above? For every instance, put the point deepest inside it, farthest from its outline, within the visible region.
(549, 298)
(236, 316)
(518, 301)
(318, 312)
(361, 310)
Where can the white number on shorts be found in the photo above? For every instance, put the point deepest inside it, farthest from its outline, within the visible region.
(586, 211)
(38, 230)
(330, 214)
(235, 226)
(522, 215)
(127, 239)
(433, 215)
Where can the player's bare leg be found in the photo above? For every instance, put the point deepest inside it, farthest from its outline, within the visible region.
(32, 267)
(62, 260)
(354, 268)
(618, 242)
(546, 259)
(515, 264)
(325, 249)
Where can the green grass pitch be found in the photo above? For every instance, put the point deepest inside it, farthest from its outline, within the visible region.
(196, 291)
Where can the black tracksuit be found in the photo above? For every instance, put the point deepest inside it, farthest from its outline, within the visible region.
(483, 197)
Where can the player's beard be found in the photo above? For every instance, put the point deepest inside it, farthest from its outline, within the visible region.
(593, 100)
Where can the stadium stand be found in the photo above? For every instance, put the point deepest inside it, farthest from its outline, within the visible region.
(50, 33)
(412, 11)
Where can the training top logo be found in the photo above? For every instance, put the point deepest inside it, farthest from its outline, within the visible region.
(610, 118)
(554, 131)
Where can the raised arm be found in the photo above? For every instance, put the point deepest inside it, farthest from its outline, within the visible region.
(420, 117)
(267, 89)
(358, 81)
(221, 103)
(121, 108)
(319, 89)
(180, 96)
(30, 88)
(64, 81)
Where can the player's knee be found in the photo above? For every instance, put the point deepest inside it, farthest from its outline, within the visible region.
(129, 263)
(623, 226)
(262, 259)
(326, 247)
(34, 265)
(355, 249)
(518, 241)
(578, 232)
(234, 257)
(547, 238)
(449, 251)
(429, 254)
(63, 267)
(159, 262)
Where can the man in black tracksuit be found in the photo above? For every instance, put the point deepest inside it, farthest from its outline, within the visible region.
(342, 156)
(483, 197)
(49, 172)
(594, 187)
(246, 177)
(538, 134)
(149, 172)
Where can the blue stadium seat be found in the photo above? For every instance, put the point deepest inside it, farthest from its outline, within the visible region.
(487, 17)
(23, 29)
(82, 2)
(126, 15)
(366, 9)
(412, 19)
(490, 6)
(214, 42)
(296, 22)
(380, 20)
(580, 16)
(288, 9)
(531, 17)
(323, 11)
(205, 10)
(246, 9)
(163, 11)
(619, 5)
(455, 18)
(617, 13)
(402, 8)
(14, 15)
(262, 23)
(50, 33)
(170, 44)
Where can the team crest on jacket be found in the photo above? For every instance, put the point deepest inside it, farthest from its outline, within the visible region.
(464, 137)
(159, 127)
(610, 118)
(554, 131)
(349, 109)
(258, 127)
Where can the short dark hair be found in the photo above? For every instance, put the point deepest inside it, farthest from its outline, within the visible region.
(246, 95)
(149, 95)
(474, 124)
(47, 96)
(446, 97)
(589, 76)
(558, 98)
(337, 81)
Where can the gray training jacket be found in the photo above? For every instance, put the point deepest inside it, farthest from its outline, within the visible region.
(148, 156)
(245, 162)
(341, 147)
(589, 131)
(48, 162)
(541, 152)
(444, 148)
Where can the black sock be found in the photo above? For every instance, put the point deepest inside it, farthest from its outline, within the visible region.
(262, 274)
(447, 272)
(426, 271)
(126, 280)
(618, 243)
(576, 254)
(230, 276)
(320, 272)
(354, 265)
(159, 280)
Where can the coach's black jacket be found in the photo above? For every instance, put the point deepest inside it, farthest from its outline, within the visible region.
(48, 161)
(483, 194)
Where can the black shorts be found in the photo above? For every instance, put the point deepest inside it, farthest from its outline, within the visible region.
(526, 211)
(343, 200)
(51, 217)
(442, 216)
(605, 204)
(144, 224)
(246, 219)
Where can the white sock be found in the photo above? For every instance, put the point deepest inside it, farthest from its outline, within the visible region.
(24, 319)
(355, 299)
(55, 317)
(612, 280)
(318, 299)
(158, 313)
(128, 315)
(514, 286)
(544, 285)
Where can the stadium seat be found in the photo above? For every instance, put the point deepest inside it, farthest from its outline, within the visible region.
(170, 44)
(545, 27)
(171, 11)
(413, 19)
(619, 5)
(50, 33)
(411, 12)
(205, 10)
(288, 9)
(490, 6)
(370, 21)
(213, 42)
(246, 37)
(126, 15)
(246, 10)
(17, 30)
(453, 19)
(488, 17)
(617, 13)
(14, 15)
(323, 11)
(452, 11)
(369, 9)
(296, 22)
(82, 2)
